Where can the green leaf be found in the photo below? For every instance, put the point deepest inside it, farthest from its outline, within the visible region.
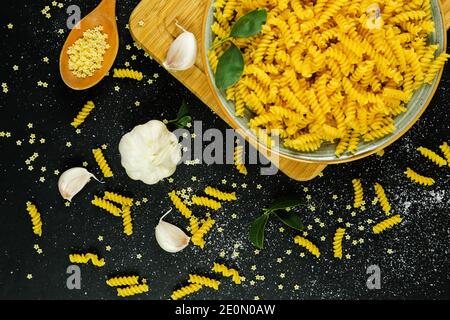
(257, 230)
(290, 219)
(284, 203)
(250, 24)
(182, 122)
(229, 68)
(183, 111)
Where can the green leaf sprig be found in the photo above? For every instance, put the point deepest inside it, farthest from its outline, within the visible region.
(231, 63)
(280, 209)
(183, 117)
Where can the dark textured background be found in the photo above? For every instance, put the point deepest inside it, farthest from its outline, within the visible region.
(419, 266)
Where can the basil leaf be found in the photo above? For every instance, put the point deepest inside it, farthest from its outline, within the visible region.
(229, 68)
(181, 123)
(183, 111)
(257, 230)
(290, 219)
(285, 202)
(250, 24)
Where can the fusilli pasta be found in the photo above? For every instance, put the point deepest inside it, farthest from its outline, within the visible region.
(85, 258)
(359, 195)
(382, 198)
(178, 203)
(198, 237)
(206, 202)
(128, 73)
(445, 148)
(122, 281)
(433, 156)
(82, 114)
(35, 218)
(204, 281)
(101, 161)
(132, 290)
(106, 205)
(337, 242)
(223, 196)
(387, 224)
(308, 245)
(127, 222)
(186, 290)
(117, 198)
(227, 272)
(417, 178)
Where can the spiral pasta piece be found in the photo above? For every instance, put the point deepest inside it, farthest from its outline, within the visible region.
(101, 161)
(227, 272)
(82, 114)
(186, 290)
(359, 194)
(198, 237)
(117, 198)
(445, 148)
(128, 73)
(382, 198)
(106, 205)
(433, 156)
(223, 196)
(206, 202)
(417, 178)
(194, 224)
(337, 242)
(35, 218)
(386, 224)
(238, 160)
(204, 281)
(178, 203)
(132, 290)
(122, 281)
(85, 258)
(308, 245)
(127, 221)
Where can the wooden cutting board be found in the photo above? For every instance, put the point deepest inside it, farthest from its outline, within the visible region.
(152, 25)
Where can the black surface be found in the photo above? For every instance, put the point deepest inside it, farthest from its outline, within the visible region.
(418, 268)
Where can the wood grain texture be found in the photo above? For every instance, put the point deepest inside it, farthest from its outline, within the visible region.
(152, 25)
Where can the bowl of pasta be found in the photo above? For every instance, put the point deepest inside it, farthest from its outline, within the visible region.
(334, 80)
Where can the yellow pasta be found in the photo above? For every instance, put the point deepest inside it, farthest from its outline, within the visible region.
(308, 245)
(194, 224)
(204, 281)
(222, 196)
(122, 281)
(417, 178)
(117, 198)
(128, 73)
(336, 69)
(198, 237)
(126, 218)
(178, 203)
(359, 195)
(132, 290)
(101, 161)
(184, 291)
(206, 202)
(431, 155)
(82, 114)
(337, 242)
(85, 258)
(106, 205)
(445, 148)
(387, 224)
(35, 218)
(238, 160)
(227, 272)
(382, 198)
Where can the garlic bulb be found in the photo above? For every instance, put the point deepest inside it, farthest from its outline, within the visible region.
(182, 52)
(169, 237)
(150, 152)
(72, 181)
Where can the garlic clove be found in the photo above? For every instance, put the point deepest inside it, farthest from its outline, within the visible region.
(169, 237)
(72, 181)
(182, 52)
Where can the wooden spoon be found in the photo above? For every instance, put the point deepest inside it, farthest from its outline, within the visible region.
(105, 15)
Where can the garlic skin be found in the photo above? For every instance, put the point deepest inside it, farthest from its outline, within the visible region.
(182, 52)
(150, 152)
(169, 237)
(72, 181)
